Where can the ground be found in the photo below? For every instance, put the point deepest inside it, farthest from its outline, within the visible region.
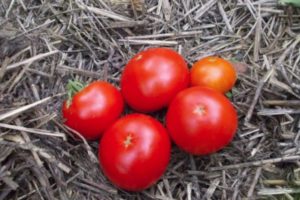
(43, 44)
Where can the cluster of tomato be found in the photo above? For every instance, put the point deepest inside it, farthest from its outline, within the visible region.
(134, 150)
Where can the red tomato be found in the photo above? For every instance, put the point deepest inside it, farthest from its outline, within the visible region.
(213, 72)
(201, 120)
(93, 109)
(134, 152)
(152, 78)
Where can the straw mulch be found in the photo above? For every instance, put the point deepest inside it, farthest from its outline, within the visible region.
(44, 43)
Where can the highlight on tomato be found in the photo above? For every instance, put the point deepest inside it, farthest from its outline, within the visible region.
(134, 152)
(214, 72)
(201, 121)
(92, 109)
(152, 78)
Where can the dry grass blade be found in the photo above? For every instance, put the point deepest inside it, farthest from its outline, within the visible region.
(282, 102)
(273, 191)
(166, 7)
(150, 42)
(225, 18)
(213, 186)
(27, 139)
(268, 112)
(256, 163)
(3, 67)
(257, 39)
(45, 43)
(32, 59)
(40, 152)
(257, 94)
(25, 108)
(87, 146)
(255, 180)
(102, 12)
(165, 35)
(204, 9)
(31, 130)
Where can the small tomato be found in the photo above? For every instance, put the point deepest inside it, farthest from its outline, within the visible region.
(92, 109)
(214, 72)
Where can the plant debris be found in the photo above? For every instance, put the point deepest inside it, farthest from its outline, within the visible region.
(43, 44)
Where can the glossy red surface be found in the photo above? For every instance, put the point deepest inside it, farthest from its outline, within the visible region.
(94, 109)
(134, 152)
(152, 78)
(201, 120)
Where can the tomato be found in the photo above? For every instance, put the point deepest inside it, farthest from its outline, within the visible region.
(152, 78)
(213, 72)
(93, 109)
(134, 152)
(201, 121)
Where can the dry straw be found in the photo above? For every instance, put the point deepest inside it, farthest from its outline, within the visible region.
(45, 43)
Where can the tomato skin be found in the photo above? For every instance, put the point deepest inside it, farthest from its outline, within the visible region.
(93, 109)
(152, 78)
(201, 121)
(214, 72)
(140, 164)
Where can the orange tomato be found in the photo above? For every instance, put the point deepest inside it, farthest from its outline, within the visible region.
(213, 72)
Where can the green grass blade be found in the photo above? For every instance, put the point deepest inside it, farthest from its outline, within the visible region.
(292, 2)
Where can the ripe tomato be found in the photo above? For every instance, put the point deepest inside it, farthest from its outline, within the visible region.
(152, 78)
(213, 72)
(134, 152)
(201, 120)
(93, 109)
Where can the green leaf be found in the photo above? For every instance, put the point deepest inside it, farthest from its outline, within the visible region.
(229, 95)
(233, 60)
(72, 88)
(292, 2)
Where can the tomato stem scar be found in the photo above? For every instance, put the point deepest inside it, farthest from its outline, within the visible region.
(127, 141)
(200, 110)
